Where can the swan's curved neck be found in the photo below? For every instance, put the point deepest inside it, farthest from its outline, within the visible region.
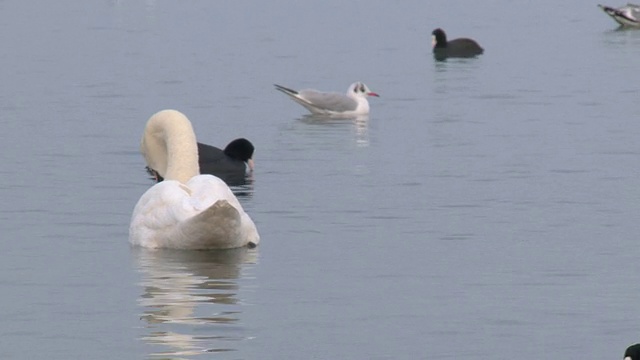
(169, 146)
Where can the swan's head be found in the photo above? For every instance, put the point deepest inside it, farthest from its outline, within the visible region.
(241, 149)
(155, 176)
(359, 89)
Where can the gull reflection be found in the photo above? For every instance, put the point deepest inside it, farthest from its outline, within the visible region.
(190, 300)
(360, 124)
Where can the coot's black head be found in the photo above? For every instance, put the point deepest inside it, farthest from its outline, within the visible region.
(240, 149)
(439, 38)
(632, 353)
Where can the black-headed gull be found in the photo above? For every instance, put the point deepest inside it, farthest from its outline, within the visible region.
(628, 15)
(354, 102)
(456, 48)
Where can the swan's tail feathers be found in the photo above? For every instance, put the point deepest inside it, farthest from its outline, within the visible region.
(218, 227)
(285, 90)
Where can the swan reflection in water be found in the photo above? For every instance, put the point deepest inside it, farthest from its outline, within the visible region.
(189, 300)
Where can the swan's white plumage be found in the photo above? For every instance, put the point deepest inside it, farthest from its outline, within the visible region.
(186, 210)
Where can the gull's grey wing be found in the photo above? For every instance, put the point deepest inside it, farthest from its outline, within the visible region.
(286, 90)
(329, 101)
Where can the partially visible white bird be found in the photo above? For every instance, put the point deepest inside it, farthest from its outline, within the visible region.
(627, 15)
(186, 210)
(354, 102)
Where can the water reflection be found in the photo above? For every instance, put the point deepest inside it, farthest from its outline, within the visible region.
(629, 38)
(244, 191)
(360, 124)
(190, 300)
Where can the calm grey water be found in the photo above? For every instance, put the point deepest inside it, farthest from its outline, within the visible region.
(486, 209)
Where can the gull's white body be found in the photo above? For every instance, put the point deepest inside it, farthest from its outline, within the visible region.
(186, 210)
(354, 102)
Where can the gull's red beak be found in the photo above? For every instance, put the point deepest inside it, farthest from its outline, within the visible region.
(372, 94)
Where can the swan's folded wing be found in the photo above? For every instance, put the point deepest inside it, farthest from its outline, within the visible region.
(202, 214)
(220, 224)
(159, 209)
(207, 189)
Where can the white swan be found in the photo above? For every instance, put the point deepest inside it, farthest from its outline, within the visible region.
(187, 210)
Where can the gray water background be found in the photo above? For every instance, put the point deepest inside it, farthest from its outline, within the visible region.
(486, 209)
